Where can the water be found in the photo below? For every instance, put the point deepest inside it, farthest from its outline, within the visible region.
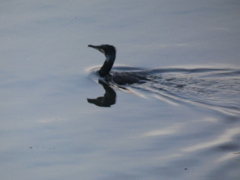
(183, 123)
(215, 89)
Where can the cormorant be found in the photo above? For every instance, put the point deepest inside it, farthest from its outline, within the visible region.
(120, 78)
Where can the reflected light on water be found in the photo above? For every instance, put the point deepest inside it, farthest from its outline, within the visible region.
(227, 157)
(169, 157)
(165, 131)
(165, 100)
(225, 137)
(50, 120)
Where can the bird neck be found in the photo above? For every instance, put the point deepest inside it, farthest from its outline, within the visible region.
(107, 66)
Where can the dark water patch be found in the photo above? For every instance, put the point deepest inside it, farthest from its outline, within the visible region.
(229, 147)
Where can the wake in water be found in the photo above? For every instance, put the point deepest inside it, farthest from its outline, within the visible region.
(217, 89)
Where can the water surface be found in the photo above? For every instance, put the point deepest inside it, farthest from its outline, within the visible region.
(181, 124)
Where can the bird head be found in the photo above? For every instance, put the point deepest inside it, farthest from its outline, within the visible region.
(107, 50)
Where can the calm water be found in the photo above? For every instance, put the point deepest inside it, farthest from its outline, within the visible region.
(183, 123)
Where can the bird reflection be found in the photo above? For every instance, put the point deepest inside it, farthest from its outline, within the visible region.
(108, 99)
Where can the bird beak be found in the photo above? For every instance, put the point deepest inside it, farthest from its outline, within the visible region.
(92, 46)
(96, 47)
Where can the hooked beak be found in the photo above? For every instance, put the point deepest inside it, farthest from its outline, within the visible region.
(96, 47)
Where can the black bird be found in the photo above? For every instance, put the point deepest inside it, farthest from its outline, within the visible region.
(120, 78)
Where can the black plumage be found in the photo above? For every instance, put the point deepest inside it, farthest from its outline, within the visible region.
(120, 78)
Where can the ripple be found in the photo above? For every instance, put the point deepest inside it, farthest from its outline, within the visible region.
(217, 89)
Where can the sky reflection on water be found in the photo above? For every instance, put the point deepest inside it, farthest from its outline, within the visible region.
(49, 130)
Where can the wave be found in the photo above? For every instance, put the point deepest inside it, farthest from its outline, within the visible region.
(217, 89)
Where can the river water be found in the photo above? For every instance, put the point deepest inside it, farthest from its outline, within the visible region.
(59, 120)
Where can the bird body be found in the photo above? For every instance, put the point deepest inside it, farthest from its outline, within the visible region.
(120, 78)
